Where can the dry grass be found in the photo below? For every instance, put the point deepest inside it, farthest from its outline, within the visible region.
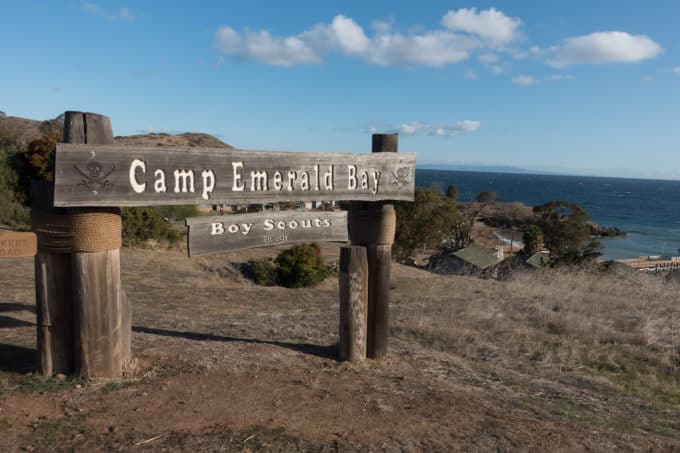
(575, 335)
(192, 139)
(568, 359)
(625, 329)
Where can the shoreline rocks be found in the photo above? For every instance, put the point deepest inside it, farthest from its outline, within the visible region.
(605, 231)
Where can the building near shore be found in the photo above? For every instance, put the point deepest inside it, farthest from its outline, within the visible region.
(470, 260)
(655, 263)
(539, 259)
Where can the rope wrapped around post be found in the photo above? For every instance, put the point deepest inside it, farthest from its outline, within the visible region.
(78, 231)
(373, 225)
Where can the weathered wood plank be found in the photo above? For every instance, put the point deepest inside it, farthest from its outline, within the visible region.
(54, 313)
(353, 286)
(218, 234)
(379, 268)
(115, 175)
(53, 294)
(15, 244)
(379, 264)
(99, 312)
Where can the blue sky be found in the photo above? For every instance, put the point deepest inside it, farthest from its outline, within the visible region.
(587, 87)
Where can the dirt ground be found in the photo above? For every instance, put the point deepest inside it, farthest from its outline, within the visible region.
(224, 365)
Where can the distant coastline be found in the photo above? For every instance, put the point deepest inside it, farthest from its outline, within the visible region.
(647, 210)
(509, 169)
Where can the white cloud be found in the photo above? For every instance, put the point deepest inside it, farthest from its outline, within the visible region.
(676, 69)
(489, 24)
(123, 13)
(524, 80)
(342, 33)
(382, 26)
(470, 75)
(438, 130)
(434, 49)
(557, 77)
(429, 48)
(262, 47)
(603, 47)
(488, 33)
(536, 52)
(518, 54)
(488, 58)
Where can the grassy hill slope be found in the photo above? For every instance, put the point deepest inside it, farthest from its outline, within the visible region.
(549, 361)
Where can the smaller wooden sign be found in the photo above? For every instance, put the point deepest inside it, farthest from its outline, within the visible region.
(208, 235)
(14, 244)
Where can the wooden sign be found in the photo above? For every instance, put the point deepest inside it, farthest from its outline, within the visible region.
(115, 175)
(14, 245)
(209, 235)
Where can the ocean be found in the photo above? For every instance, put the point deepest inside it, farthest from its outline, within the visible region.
(647, 210)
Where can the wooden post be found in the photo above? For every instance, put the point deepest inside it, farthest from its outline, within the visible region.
(101, 326)
(371, 224)
(379, 266)
(53, 293)
(353, 280)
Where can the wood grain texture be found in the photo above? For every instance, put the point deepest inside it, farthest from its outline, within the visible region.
(82, 127)
(379, 266)
(54, 314)
(53, 296)
(379, 270)
(385, 143)
(93, 175)
(353, 289)
(99, 317)
(98, 314)
(126, 330)
(208, 235)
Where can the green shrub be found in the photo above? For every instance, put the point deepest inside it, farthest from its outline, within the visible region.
(15, 215)
(40, 154)
(300, 266)
(142, 224)
(12, 194)
(263, 271)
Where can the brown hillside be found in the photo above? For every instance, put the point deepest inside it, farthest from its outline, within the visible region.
(21, 130)
(24, 130)
(192, 139)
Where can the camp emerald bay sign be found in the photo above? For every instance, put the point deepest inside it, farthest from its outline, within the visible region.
(114, 175)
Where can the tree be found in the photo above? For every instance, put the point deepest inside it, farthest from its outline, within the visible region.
(533, 239)
(424, 222)
(460, 233)
(486, 197)
(566, 233)
(452, 192)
